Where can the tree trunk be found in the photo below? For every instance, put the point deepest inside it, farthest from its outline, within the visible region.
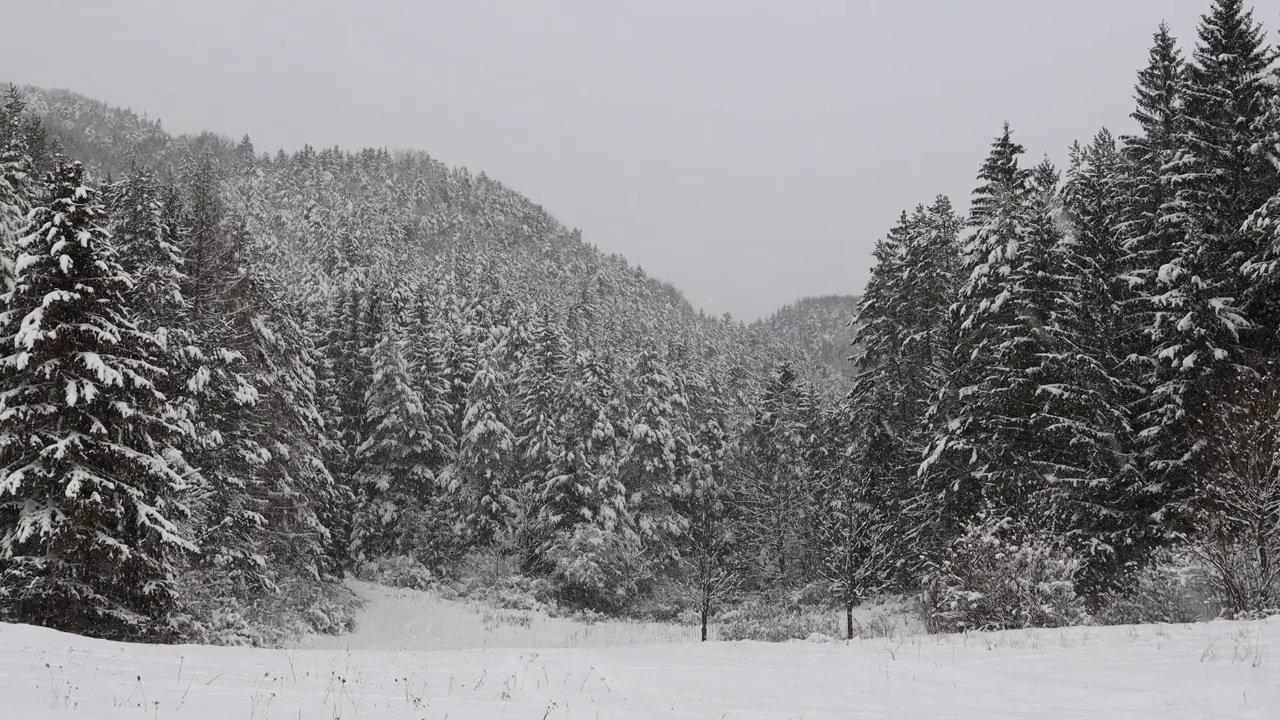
(848, 621)
(706, 610)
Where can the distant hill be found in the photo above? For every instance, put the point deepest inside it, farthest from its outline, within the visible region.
(331, 215)
(814, 333)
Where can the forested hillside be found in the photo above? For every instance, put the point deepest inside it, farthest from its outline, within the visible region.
(227, 378)
(815, 334)
(362, 358)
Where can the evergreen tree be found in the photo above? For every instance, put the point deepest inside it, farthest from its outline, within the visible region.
(1199, 336)
(89, 467)
(710, 504)
(980, 458)
(1262, 270)
(306, 505)
(999, 174)
(143, 218)
(398, 490)
(1093, 497)
(427, 336)
(778, 482)
(540, 389)
(1146, 205)
(16, 183)
(582, 483)
(1226, 90)
(482, 474)
(654, 450)
(900, 358)
(1151, 221)
(855, 524)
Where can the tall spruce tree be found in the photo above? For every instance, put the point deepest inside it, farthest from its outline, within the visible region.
(583, 483)
(396, 481)
(1200, 334)
(482, 475)
(778, 480)
(1146, 190)
(654, 451)
(16, 182)
(1093, 497)
(90, 470)
(980, 459)
(1262, 270)
(900, 357)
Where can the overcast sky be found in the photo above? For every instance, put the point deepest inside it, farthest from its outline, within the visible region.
(749, 152)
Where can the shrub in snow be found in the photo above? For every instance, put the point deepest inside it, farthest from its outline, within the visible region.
(399, 571)
(993, 581)
(1239, 507)
(294, 608)
(494, 577)
(768, 622)
(1172, 589)
(596, 570)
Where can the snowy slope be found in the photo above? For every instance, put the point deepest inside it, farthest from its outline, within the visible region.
(1217, 670)
(397, 619)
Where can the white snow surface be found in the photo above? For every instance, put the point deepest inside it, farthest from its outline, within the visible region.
(417, 657)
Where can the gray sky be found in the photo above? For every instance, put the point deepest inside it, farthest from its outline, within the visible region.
(748, 152)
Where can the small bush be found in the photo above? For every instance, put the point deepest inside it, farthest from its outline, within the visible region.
(493, 577)
(882, 625)
(400, 571)
(1241, 572)
(268, 618)
(1172, 589)
(596, 570)
(664, 600)
(991, 583)
(813, 595)
(764, 622)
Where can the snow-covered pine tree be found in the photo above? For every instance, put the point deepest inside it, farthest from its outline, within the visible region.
(778, 482)
(90, 470)
(1262, 270)
(464, 326)
(1146, 205)
(901, 355)
(307, 505)
(347, 376)
(217, 391)
(862, 548)
(1093, 497)
(17, 182)
(654, 450)
(980, 457)
(582, 482)
(1151, 224)
(427, 334)
(540, 388)
(1226, 91)
(999, 172)
(482, 475)
(257, 393)
(1199, 335)
(398, 505)
(142, 219)
(707, 557)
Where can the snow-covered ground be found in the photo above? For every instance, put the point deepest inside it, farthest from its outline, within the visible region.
(421, 658)
(396, 619)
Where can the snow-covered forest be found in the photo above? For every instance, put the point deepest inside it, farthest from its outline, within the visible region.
(229, 378)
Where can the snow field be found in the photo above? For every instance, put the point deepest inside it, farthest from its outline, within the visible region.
(402, 619)
(1217, 670)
